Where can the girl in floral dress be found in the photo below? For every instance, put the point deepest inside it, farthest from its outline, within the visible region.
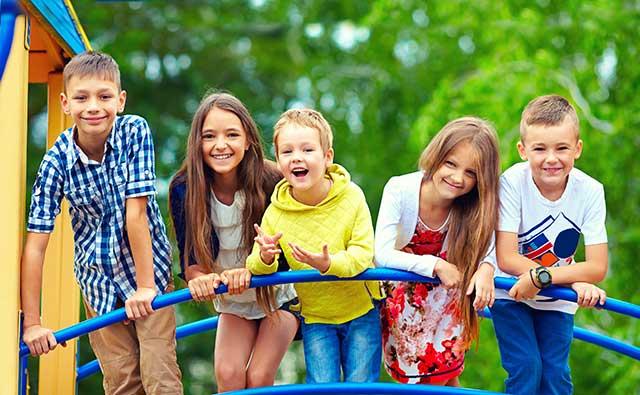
(440, 222)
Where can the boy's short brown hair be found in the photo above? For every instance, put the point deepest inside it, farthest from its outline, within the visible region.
(305, 117)
(548, 110)
(92, 63)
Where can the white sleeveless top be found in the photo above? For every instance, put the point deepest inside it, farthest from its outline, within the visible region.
(227, 221)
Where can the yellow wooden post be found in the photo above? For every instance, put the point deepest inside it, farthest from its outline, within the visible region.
(60, 293)
(13, 151)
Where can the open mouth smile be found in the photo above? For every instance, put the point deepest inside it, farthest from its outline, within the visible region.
(222, 156)
(299, 172)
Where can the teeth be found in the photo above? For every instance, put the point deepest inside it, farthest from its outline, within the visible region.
(225, 156)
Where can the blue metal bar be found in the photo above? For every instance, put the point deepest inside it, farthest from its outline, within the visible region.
(23, 378)
(206, 324)
(565, 293)
(185, 330)
(359, 388)
(9, 10)
(303, 276)
(595, 338)
(579, 333)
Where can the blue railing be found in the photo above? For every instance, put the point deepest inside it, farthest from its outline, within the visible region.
(314, 276)
(9, 10)
(359, 388)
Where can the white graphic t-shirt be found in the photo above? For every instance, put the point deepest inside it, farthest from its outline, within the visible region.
(549, 231)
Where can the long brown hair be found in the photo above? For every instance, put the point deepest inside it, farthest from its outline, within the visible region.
(257, 178)
(474, 215)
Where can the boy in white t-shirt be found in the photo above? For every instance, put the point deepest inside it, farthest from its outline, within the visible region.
(545, 205)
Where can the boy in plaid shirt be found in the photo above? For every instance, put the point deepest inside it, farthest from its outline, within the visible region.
(104, 167)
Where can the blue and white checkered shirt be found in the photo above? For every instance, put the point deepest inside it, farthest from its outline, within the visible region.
(96, 192)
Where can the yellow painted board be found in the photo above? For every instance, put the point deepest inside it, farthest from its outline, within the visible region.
(60, 293)
(13, 151)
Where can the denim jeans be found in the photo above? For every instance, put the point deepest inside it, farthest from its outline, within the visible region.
(355, 346)
(534, 347)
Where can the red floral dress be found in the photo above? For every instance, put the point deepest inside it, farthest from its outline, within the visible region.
(422, 322)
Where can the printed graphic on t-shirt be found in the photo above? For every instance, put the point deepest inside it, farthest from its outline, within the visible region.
(552, 242)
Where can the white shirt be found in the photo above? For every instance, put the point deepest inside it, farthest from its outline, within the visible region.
(227, 221)
(397, 220)
(549, 231)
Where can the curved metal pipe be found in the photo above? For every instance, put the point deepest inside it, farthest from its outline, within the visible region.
(304, 276)
(359, 388)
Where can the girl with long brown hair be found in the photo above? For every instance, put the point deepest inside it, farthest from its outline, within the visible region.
(439, 221)
(220, 191)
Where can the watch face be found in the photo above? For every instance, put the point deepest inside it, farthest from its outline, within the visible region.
(544, 277)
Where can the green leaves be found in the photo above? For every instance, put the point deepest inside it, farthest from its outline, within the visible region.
(388, 75)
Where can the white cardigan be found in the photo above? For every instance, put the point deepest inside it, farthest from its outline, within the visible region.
(397, 220)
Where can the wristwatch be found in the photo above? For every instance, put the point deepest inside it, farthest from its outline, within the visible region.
(543, 275)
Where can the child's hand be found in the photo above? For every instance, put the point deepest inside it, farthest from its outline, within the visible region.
(139, 304)
(236, 280)
(202, 287)
(448, 274)
(482, 282)
(589, 295)
(40, 340)
(524, 288)
(320, 261)
(268, 245)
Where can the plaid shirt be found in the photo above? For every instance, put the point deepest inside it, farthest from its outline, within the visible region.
(96, 192)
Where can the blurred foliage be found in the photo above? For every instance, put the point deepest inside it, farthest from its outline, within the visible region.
(388, 74)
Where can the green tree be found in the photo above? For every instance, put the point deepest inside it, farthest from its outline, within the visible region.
(388, 75)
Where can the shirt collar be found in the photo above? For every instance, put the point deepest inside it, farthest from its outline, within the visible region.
(75, 153)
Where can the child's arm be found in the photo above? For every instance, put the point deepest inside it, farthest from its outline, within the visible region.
(201, 282)
(137, 223)
(482, 280)
(265, 250)
(358, 254)
(40, 340)
(592, 270)
(509, 259)
(386, 254)
(46, 197)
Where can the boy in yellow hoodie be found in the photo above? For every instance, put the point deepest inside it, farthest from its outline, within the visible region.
(320, 219)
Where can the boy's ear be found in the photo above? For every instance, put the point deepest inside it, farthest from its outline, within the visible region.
(521, 151)
(122, 100)
(578, 149)
(329, 156)
(65, 103)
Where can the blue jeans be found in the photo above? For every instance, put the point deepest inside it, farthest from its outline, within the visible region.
(355, 346)
(534, 347)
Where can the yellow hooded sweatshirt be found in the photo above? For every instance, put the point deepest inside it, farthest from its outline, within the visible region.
(343, 222)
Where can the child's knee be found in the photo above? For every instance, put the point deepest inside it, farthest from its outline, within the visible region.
(228, 373)
(557, 381)
(260, 376)
(526, 366)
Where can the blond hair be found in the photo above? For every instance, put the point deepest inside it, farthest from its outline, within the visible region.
(474, 215)
(92, 63)
(548, 110)
(308, 118)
